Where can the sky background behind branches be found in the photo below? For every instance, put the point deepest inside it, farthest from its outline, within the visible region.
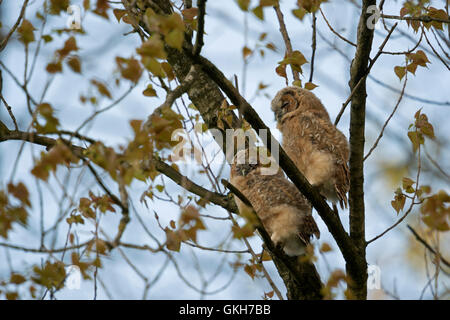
(224, 41)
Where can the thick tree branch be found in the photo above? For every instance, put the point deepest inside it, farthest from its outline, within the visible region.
(358, 73)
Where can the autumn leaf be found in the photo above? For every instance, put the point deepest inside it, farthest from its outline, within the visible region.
(101, 8)
(400, 72)
(173, 241)
(69, 46)
(190, 13)
(325, 247)
(243, 4)
(310, 86)
(153, 47)
(299, 13)
(74, 63)
(45, 111)
(399, 201)
(175, 39)
(20, 192)
(102, 88)
(246, 52)
(54, 67)
(416, 139)
(130, 69)
(149, 91)
(258, 12)
(407, 184)
(119, 13)
(56, 6)
(51, 276)
(17, 278)
(26, 34)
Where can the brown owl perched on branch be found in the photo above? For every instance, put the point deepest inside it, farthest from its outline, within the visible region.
(316, 146)
(284, 211)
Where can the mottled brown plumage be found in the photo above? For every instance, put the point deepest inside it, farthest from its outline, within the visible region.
(283, 210)
(316, 146)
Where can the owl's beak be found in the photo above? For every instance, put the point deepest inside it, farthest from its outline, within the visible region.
(278, 114)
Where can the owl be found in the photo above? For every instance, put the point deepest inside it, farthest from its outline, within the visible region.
(319, 150)
(283, 210)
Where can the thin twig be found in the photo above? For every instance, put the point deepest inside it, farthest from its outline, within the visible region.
(388, 119)
(286, 39)
(334, 31)
(344, 105)
(313, 46)
(21, 15)
(422, 241)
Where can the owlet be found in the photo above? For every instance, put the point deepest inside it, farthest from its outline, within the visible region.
(283, 210)
(317, 147)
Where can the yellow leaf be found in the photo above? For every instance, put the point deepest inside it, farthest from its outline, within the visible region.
(149, 91)
(25, 31)
(310, 86)
(400, 72)
(74, 64)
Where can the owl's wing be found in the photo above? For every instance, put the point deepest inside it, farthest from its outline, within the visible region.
(326, 137)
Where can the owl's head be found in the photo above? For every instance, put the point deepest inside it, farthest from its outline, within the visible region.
(292, 99)
(254, 161)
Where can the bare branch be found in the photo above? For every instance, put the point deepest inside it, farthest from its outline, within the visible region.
(334, 31)
(285, 35)
(21, 15)
(363, 78)
(388, 119)
(422, 241)
(201, 4)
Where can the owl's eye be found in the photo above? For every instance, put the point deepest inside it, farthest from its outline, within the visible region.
(284, 105)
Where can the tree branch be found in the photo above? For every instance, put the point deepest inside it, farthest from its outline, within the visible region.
(21, 15)
(422, 241)
(285, 35)
(358, 73)
(419, 18)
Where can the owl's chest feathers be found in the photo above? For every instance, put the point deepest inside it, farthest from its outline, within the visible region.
(304, 147)
(299, 146)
